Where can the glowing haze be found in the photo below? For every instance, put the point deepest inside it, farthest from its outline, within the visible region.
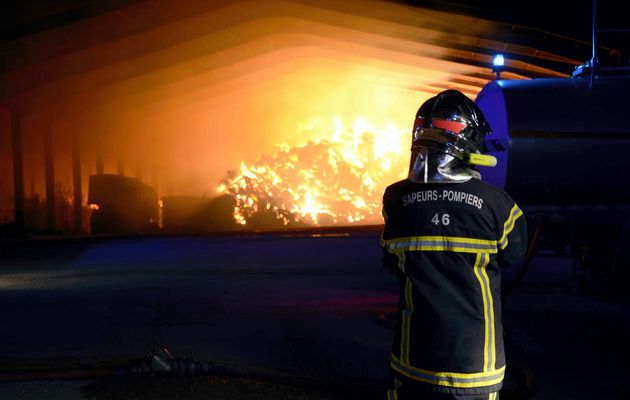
(338, 139)
(300, 109)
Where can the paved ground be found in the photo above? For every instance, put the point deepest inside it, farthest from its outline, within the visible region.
(574, 342)
(191, 388)
(304, 306)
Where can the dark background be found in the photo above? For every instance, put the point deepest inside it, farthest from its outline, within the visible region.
(568, 18)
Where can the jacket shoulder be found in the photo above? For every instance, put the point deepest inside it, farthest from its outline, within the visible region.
(396, 187)
(491, 191)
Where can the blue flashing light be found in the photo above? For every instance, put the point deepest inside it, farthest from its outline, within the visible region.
(498, 61)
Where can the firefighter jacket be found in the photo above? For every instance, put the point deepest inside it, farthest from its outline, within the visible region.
(447, 243)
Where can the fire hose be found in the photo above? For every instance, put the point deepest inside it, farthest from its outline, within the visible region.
(160, 362)
(532, 247)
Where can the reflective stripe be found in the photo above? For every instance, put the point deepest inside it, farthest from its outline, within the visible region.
(392, 394)
(440, 243)
(454, 126)
(492, 396)
(509, 225)
(405, 339)
(489, 341)
(449, 379)
(492, 359)
(402, 260)
(405, 333)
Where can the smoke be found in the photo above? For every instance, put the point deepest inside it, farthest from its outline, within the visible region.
(180, 95)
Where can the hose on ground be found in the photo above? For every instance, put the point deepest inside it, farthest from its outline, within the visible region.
(160, 362)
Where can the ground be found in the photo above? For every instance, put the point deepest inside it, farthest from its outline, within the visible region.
(287, 316)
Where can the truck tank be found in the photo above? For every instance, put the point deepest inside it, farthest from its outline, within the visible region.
(560, 141)
(563, 153)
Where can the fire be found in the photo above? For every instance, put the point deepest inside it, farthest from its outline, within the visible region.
(336, 178)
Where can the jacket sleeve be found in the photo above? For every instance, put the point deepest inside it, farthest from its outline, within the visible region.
(388, 260)
(513, 239)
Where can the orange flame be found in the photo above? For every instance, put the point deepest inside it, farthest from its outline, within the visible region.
(336, 178)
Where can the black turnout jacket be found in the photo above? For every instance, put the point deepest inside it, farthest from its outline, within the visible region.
(447, 243)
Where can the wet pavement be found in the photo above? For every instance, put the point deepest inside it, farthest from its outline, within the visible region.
(304, 305)
(189, 388)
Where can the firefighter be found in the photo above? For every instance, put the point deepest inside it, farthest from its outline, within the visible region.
(447, 234)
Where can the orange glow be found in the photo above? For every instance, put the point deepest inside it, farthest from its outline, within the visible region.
(308, 103)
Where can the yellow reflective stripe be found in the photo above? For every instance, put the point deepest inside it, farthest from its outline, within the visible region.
(392, 394)
(402, 260)
(490, 353)
(448, 379)
(509, 225)
(476, 270)
(405, 339)
(440, 243)
(493, 342)
(455, 375)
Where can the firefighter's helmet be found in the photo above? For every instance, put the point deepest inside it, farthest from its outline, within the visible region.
(453, 124)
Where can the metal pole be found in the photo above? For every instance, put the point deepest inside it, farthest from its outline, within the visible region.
(50, 178)
(138, 172)
(594, 60)
(76, 182)
(100, 164)
(18, 169)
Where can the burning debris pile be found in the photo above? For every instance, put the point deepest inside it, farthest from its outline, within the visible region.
(333, 179)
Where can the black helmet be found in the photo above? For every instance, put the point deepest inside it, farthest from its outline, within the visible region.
(453, 124)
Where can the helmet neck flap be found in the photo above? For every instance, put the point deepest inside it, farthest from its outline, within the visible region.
(429, 165)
